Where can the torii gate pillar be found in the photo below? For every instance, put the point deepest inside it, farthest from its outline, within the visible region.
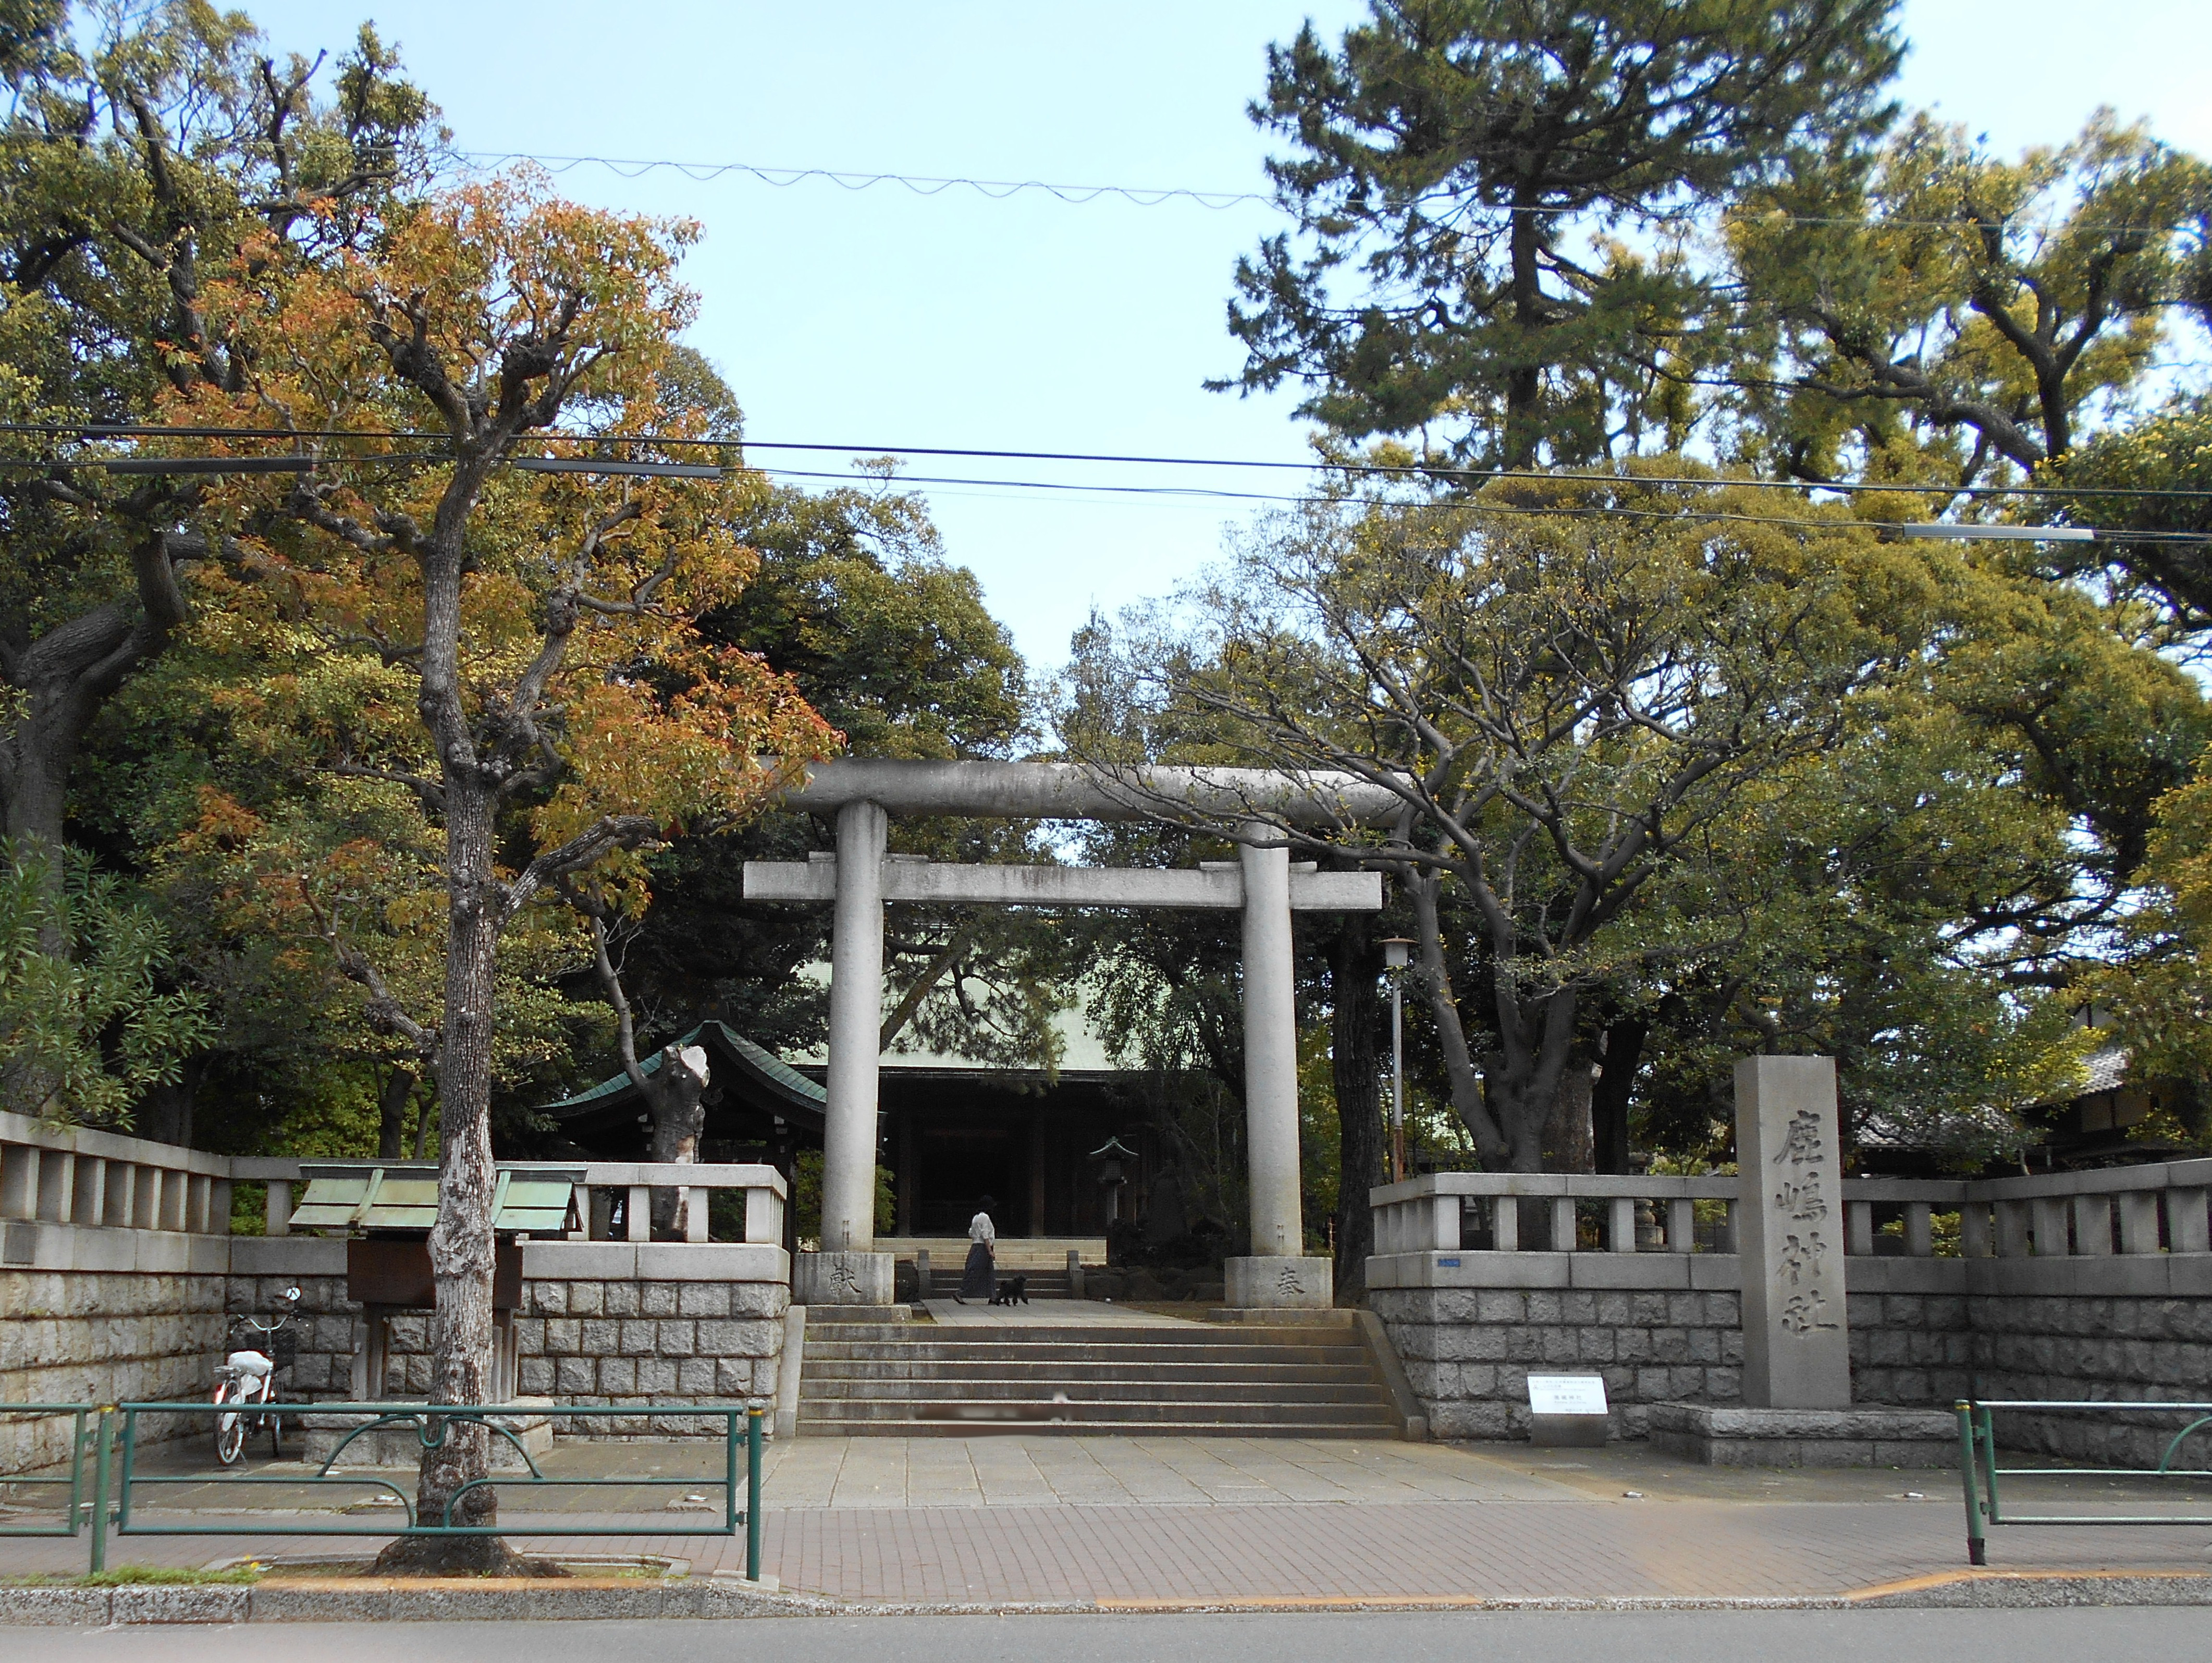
(848, 1270)
(1278, 1274)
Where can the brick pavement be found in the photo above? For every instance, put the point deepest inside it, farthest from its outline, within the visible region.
(1017, 1519)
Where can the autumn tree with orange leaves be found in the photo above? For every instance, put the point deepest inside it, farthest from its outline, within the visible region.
(517, 613)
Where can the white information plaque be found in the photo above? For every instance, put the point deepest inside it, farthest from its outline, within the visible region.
(1566, 1394)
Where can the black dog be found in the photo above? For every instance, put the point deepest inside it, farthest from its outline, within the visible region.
(1012, 1290)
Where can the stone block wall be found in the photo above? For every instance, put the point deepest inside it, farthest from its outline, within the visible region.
(324, 1323)
(636, 1325)
(649, 1342)
(1468, 1352)
(2080, 1347)
(82, 1335)
(1913, 1350)
(1924, 1333)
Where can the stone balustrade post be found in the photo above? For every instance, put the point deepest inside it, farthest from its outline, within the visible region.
(1919, 1230)
(2187, 1228)
(2051, 1214)
(1621, 1224)
(1681, 1225)
(2093, 1224)
(1566, 1236)
(1505, 1224)
(2139, 1221)
(1975, 1239)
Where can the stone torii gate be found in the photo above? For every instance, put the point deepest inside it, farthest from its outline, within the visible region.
(1262, 884)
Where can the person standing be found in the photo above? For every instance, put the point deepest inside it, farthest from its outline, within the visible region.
(979, 1279)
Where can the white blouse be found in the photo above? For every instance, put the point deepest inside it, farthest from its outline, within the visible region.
(979, 1228)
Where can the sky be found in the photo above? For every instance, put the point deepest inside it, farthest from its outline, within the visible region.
(883, 318)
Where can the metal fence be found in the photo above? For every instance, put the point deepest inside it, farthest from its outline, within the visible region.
(1979, 1471)
(116, 1499)
(80, 1440)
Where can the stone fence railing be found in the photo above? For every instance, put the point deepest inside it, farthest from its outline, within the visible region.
(2125, 1211)
(88, 1179)
(766, 1194)
(70, 1175)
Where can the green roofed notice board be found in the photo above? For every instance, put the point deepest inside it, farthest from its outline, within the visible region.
(403, 1196)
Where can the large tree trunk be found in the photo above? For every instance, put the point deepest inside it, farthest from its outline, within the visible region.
(1433, 980)
(1610, 1100)
(1567, 1140)
(1354, 1059)
(461, 1243)
(57, 685)
(165, 1113)
(392, 1100)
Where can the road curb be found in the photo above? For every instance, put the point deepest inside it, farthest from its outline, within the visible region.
(1992, 1590)
(366, 1600)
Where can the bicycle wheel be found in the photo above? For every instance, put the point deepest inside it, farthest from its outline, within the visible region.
(229, 1429)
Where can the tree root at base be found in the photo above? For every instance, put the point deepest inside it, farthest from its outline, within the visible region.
(461, 1556)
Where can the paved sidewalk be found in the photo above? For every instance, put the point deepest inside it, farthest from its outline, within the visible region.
(1140, 1520)
(1115, 1471)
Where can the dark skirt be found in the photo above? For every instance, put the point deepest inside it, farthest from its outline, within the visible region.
(979, 1281)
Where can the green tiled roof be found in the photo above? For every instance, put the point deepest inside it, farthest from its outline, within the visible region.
(770, 1071)
(404, 1196)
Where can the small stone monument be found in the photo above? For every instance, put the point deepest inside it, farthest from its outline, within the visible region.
(1790, 1234)
(1798, 1408)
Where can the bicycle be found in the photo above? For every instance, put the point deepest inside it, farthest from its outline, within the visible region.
(249, 1376)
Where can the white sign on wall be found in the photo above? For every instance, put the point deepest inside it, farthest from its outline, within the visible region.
(1566, 1394)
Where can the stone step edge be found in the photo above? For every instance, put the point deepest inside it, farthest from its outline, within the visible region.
(1237, 1414)
(1080, 1370)
(1374, 1431)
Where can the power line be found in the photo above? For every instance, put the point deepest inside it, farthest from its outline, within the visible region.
(921, 184)
(1379, 470)
(140, 466)
(1144, 195)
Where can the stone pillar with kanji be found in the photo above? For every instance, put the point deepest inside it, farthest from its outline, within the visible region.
(1790, 1234)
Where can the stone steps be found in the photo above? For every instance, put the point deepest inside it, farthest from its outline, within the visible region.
(1075, 1373)
(920, 1381)
(1040, 1284)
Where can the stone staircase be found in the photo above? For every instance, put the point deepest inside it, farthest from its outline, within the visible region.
(945, 1281)
(1241, 1379)
(1042, 1259)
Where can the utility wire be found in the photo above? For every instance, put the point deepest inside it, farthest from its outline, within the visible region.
(1143, 196)
(1380, 470)
(921, 184)
(215, 464)
(1572, 511)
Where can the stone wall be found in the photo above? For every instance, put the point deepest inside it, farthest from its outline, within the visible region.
(105, 1316)
(1469, 1352)
(1924, 1333)
(600, 1322)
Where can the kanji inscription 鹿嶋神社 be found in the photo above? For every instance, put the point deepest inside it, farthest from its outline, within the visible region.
(1799, 1199)
(1796, 1352)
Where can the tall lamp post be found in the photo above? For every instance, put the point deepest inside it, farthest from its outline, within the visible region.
(1396, 954)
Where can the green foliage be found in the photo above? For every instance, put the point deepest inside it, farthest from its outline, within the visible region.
(86, 1026)
(2153, 477)
(806, 1198)
(1450, 157)
(1927, 313)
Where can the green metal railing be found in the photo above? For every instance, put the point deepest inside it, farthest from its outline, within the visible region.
(1979, 1471)
(115, 1432)
(80, 1440)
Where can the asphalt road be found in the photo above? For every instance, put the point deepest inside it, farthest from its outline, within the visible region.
(2171, 1634)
